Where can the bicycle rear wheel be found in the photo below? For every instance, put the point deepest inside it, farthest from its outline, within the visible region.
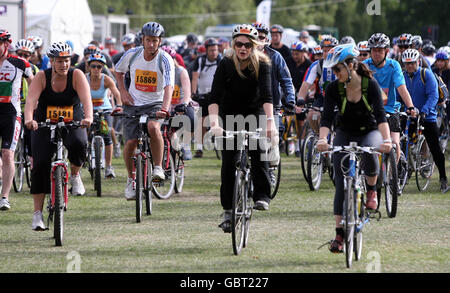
(349, 219)
(19, 165)
(98, 165)
(315, 166)
(275, 178)
(58, 210)
(139, 167)
(391, 184)
(179, 172)
(425, 165)
(238, 213)
(148, 189)
(164, 189)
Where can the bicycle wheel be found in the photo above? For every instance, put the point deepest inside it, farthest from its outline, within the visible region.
(424, 164)
(19, 165)
(179, 172)
(139, 169)
(291, 137)
(391, 184)
(315, 166)
(304, 154)
(98, 165)
(275, 178)
(359, 229)
(58, 221)
(148, 189)
(248, 211)
(402, 172)
(164, 189)
(238, 217)
(349, 220)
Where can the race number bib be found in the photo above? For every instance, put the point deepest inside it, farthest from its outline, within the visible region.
(146, 81)
(97, 102)
(5, 92)
(54, 112)
(176, 95)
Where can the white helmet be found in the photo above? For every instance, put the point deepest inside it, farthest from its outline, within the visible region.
(59, 49)
(37, 41)
(245, 30)
(25, 45)
(363, 46)
(410, 55)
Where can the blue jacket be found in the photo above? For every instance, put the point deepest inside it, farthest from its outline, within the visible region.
(281, 79)
(424, 96)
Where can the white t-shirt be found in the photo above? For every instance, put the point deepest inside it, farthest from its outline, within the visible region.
(147, 81)
(206, 76)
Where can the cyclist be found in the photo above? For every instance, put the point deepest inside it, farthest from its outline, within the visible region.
(12, 69)
(203, 71)
(276, 32)
(442, 66)
(40, 60)
(361, 118)
(428, 51)
(242, 86)
(59, 88)
(181, 99)
(100, 84)
(128, 42)
(110, 46)
(425, 96)
(75, 57)
(364, 51)
(389, 75)
(407, 41)
(152, 75)
(224, 45)
(347, 40)
(316, 53)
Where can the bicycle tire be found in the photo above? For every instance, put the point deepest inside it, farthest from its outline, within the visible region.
(359, 234)
(179, 172)
(402, 172)
(391, 184)
(58, 209)
(28, 171)
(165, 188)
(304, 154)
(314, 168)
(291, 134)
(139, 180)
(275, 180)
(19, 171)
(248, 211)
(424, 168)
(148, 189)
(238, 213)
(98, 166)
(349, 218)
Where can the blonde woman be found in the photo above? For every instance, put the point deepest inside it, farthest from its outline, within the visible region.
(242, 86)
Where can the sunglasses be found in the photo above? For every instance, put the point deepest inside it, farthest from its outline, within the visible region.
(247, 45)
(261, 38)
(93, 66)
(403, 47)
(24, 55)
(336, 69)
(364, 54)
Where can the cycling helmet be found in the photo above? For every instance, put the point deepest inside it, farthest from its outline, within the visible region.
(261, 27)
(276, 28)
(138, 39)
(299, 46)
(211, 42)
(153, 29)
(128, 39)
(110, 40)
(37, 41)
(442, 55)
(428, 49)
(379, 40)
(59, 49)
(5, 36)
(410, 55)
(245, 30)
(25, 45)
(317, 50)
(416, 41)
(445, 48)
(347, 40)
(404, 40)
(169, 50)
(340, 54)
(91, 49)
(96, 57)
(191, 38)
(363, 46)
(328, 41)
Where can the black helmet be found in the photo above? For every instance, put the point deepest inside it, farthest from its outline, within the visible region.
(191, 38)
(211, 42)
(329, 41)
(153, 29)
(428, 49)
(276, 28)
(404, 40)
(91, 49)
(347, 40)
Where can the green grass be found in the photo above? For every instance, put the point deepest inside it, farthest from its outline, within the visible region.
(182, 234)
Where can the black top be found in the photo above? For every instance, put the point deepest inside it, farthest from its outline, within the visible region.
(356, 120)
(284, 51)
(236, 95)
(48, 97)
(298, 72)
(445, 75)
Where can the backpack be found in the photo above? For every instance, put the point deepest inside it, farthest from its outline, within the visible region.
(203, 62)
(343, 95)
(442, 87)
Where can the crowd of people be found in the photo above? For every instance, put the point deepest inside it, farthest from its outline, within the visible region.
(252, 73)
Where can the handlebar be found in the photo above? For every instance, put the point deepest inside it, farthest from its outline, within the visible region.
(353, 148)
(60, 124)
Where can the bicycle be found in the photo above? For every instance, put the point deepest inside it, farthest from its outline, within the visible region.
(22, 164)
(355, 216)
(290, 137)
(242, 203)
(442, 123)
(57, 201)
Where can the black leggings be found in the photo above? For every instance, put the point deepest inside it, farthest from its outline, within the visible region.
(75, 141)
(431, 133)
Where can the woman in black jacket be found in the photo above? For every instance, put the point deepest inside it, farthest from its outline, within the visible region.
(242, 86)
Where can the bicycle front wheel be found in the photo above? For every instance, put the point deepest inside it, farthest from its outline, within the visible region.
(179, 172)
(164, 189)
(139, 167)
(304, 154)
(349, 221)
(58, 221)
(19, 168)
(148, 189)
(360, 214)
(238, 214)
(315, 166)
(424, 164)
(391, 184)
(98, 165)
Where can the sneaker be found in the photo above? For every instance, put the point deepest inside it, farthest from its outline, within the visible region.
(226, 223)
(130, 190)
(198, 154)
(158, 173)
(444, 186)
(38, 221)
(187, 154)
(77, 185)
(371, 202)
(117, 150)
(109, 172)
(4, 204)
(261, 205)
(336, 245)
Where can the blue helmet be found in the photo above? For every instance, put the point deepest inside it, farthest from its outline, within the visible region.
(299, 46)
(96, 57)
(340, 54)
(442, 55)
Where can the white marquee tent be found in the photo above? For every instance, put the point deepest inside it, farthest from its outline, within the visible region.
(60, 20)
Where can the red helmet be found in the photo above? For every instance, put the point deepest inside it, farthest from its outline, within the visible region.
(5, 36)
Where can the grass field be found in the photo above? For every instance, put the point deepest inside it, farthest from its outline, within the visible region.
(101, 234)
